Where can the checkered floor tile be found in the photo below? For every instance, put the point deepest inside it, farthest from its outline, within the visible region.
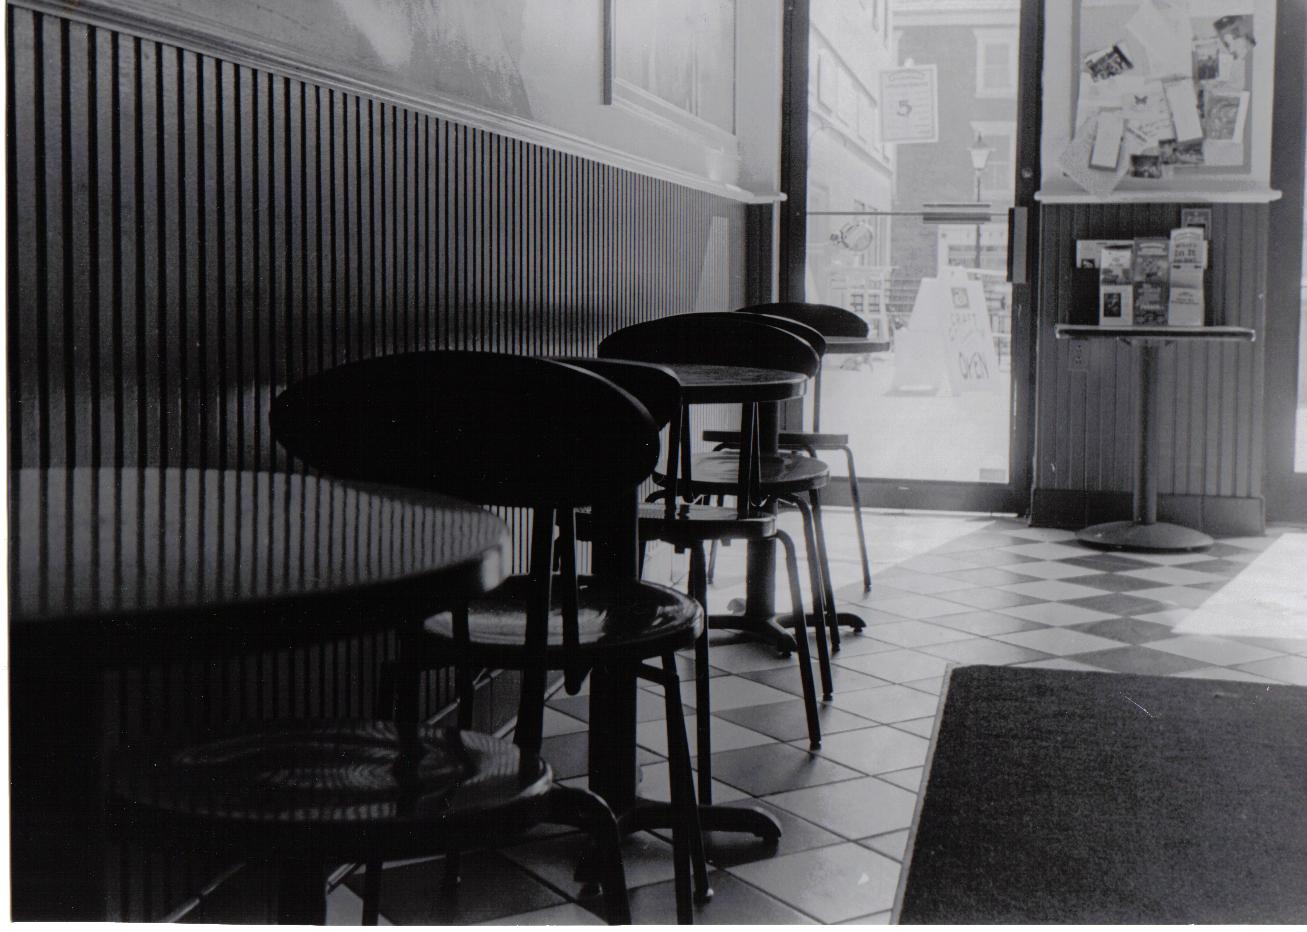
(949, 590)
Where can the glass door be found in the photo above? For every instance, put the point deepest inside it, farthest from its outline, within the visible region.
(913, 135)
(1285, 332)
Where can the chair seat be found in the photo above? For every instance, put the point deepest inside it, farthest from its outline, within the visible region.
(619, 619)
(789, 439)
(719, 474)
(342, 789)
(693, 524)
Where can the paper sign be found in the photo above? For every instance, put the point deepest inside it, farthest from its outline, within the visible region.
(1167, 43)
(1223, 153)
(1224, 114)
(1089, 251)
(1148, 114)
(909, 110)
(1107, 141)
(1182, 100)
(1074, 161)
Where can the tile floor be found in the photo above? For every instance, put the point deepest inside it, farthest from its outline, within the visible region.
(948, 590)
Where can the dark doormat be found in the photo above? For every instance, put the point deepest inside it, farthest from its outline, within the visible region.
(1059, 796)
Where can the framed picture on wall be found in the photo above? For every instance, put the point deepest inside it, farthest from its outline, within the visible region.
(674, 62)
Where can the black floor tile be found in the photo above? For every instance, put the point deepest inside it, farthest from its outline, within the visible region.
(1121, 603)
(787, 721)
(1218, 566)
(1106, 563)
(989, 576)
(726, 849)
(775, 768)
(843, 679)
(492, 887)
(992, 557)
(1113, 582)
(1138, 659)
(988, 598)
(980, 540)
(1127, 630)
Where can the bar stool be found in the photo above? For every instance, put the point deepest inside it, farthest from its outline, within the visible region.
(688, 526)
(525, 433)
(775, 478)
(842, 327)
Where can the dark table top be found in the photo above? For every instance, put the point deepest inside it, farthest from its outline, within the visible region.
(704, 384)
(852, 346)
(179, 551)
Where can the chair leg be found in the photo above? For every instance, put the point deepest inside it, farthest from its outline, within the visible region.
(584, 810)
(465, 685)
(372, 893)
(687, 835)
(453, 873)
(821, 611)
(832, 617)
(856, 496)
(801, 640)
(702, 710)
(301, 892)
(712, 552)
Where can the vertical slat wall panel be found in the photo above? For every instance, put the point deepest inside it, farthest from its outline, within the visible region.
(1210, 432)
(190, 234)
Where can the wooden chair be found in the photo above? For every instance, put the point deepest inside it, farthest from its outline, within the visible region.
(513, 431)
(688, 527)
(830, 321)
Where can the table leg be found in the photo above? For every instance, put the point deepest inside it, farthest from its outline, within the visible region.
(759, 618)
(614, 772)
(1144, 532)
(58, 827)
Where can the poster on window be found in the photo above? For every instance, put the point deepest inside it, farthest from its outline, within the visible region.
(909, 104)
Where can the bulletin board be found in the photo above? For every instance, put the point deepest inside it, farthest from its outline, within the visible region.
(1158, 100)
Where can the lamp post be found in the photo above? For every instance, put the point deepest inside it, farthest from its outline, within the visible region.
(979, 153)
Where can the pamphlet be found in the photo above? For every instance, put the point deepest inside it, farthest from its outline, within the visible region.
(1188, 259)
(1150, 272)
(1115, 291)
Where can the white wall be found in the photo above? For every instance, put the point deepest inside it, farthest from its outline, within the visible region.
(530, 68)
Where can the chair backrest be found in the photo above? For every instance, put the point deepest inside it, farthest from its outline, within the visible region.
(807, 334)
(829, 320)
(653, 386)
(491, 428)
(714, 339)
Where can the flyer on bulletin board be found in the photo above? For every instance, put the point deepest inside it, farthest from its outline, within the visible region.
(1163, 88)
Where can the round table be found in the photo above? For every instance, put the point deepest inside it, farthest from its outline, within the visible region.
(842, 346)
(119, 567)
(613, 691)
(1144, 532)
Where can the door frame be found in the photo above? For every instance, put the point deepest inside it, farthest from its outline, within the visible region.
(1286, 491)
(1023, 267)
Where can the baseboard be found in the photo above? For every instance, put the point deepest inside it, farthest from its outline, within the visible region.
(1218, 515)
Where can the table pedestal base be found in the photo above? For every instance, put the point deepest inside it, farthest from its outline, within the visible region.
(652, 814)
(647, 814)
(772, 629)
(1128, 535)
